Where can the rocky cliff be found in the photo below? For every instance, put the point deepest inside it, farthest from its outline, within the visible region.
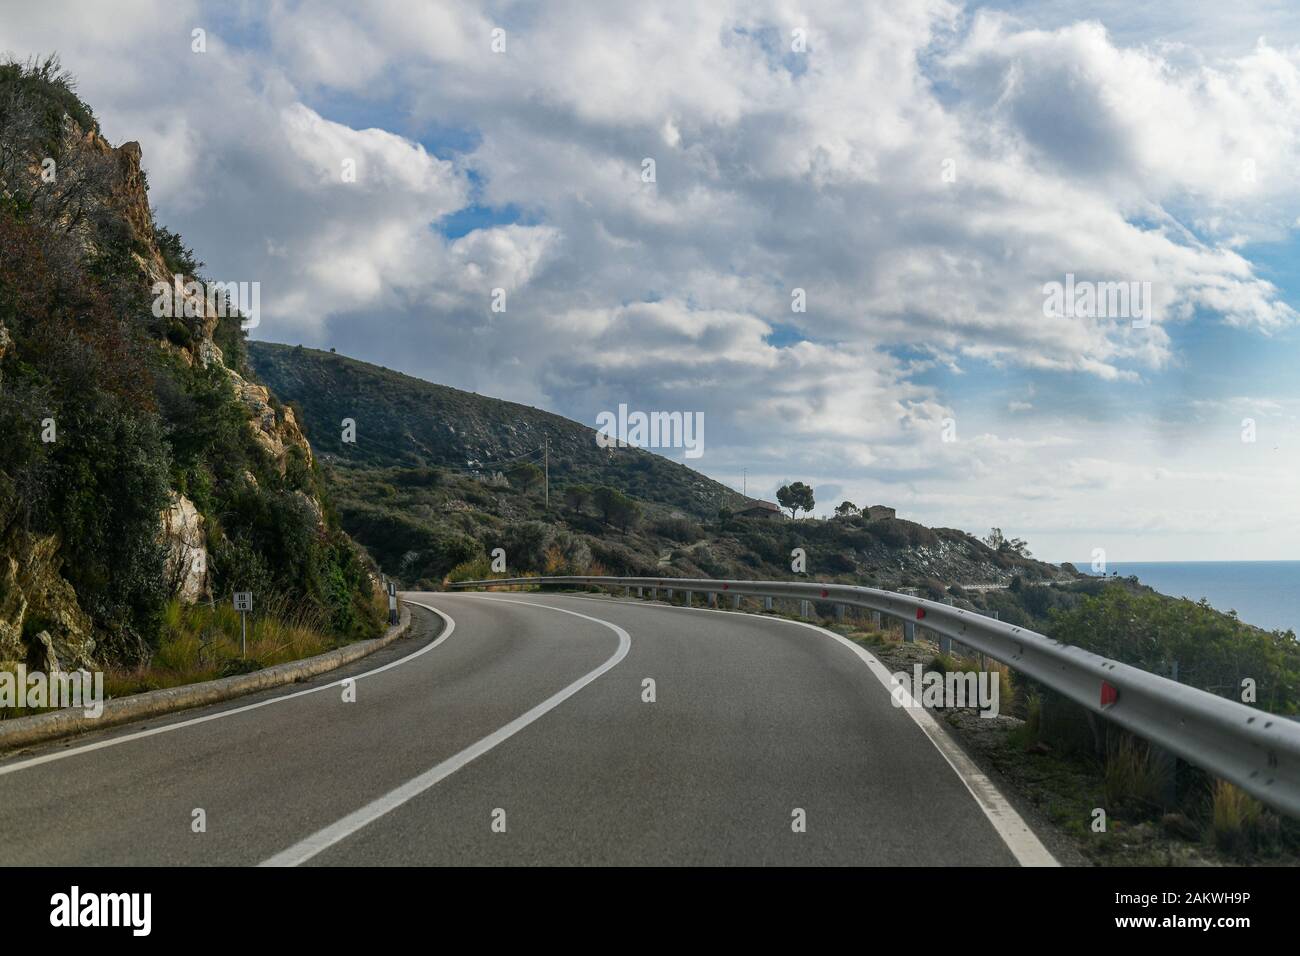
(139, 458)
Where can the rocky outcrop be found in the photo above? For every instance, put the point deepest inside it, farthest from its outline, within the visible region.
(127, 193)
(187, 550)
(41, 622)
(98, 204)
(130, 193)
(314, 506)
(275, 433)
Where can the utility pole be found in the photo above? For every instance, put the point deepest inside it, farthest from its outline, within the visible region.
(546, 467)
(744, 482)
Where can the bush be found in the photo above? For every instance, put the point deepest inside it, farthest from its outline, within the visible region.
(179, 259)
(525, 544)
(616, 508)
(841, 562)
(475, 569)
(1214, 651)
(677, 529)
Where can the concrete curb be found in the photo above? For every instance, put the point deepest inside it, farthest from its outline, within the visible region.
(21, 731)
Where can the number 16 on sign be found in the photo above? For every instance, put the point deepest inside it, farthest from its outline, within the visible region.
(243, 604)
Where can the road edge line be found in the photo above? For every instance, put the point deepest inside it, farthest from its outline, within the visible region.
(1015, 832)
(400, 629)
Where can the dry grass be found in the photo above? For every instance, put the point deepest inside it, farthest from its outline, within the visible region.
(202, 642)
(1132, 779)
(1239, 823)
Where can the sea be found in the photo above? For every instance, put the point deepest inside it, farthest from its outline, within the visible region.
(1263, 593)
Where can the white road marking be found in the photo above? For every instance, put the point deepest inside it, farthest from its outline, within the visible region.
(1009, 824)
(167, 728)
(323, 839)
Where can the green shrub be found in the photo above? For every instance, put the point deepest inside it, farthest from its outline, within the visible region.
(475, 569)
(1214, 651)
(678, 529)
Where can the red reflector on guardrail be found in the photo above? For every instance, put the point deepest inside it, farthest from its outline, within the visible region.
(726, 587)
(825, 593)
(920, 613)
(1109, 694)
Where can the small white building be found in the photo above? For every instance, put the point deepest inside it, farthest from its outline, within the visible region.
(758, 508)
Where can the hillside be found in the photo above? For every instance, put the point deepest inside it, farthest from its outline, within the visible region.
(415, 489)
(408, 422)
(141, 464)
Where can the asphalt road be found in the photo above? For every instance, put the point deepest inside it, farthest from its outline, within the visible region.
(520, 735)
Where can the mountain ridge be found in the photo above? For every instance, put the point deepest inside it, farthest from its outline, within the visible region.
(426, 430)
(411, 491)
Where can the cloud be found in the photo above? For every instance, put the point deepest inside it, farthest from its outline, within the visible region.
(920, 171)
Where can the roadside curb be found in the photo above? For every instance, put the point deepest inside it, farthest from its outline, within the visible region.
(22, 731)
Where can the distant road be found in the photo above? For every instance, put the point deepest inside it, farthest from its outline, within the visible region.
(525, 712)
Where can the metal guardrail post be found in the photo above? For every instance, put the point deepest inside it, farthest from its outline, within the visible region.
(640, 592)
(713, 599)
(909, 632)
(735, 601)
(839, 613)
(875, 620)
(805, 609)
(689, 595)
(767, 604)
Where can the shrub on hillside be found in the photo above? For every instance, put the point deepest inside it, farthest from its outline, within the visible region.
(681, 530)
(1214, 651)
(840, 562)
(525, 544)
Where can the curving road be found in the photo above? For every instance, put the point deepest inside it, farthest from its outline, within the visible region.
(512, 729)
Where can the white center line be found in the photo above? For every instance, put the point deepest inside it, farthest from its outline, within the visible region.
(323, 839)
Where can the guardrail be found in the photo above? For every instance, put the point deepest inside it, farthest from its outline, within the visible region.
(1258, 751)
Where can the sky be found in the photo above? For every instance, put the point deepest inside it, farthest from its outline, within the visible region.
(916, 173)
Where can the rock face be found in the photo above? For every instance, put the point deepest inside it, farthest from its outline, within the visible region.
(277, 436)
(35, 600)
(130, 192)
(187, 550)
(107, 217)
